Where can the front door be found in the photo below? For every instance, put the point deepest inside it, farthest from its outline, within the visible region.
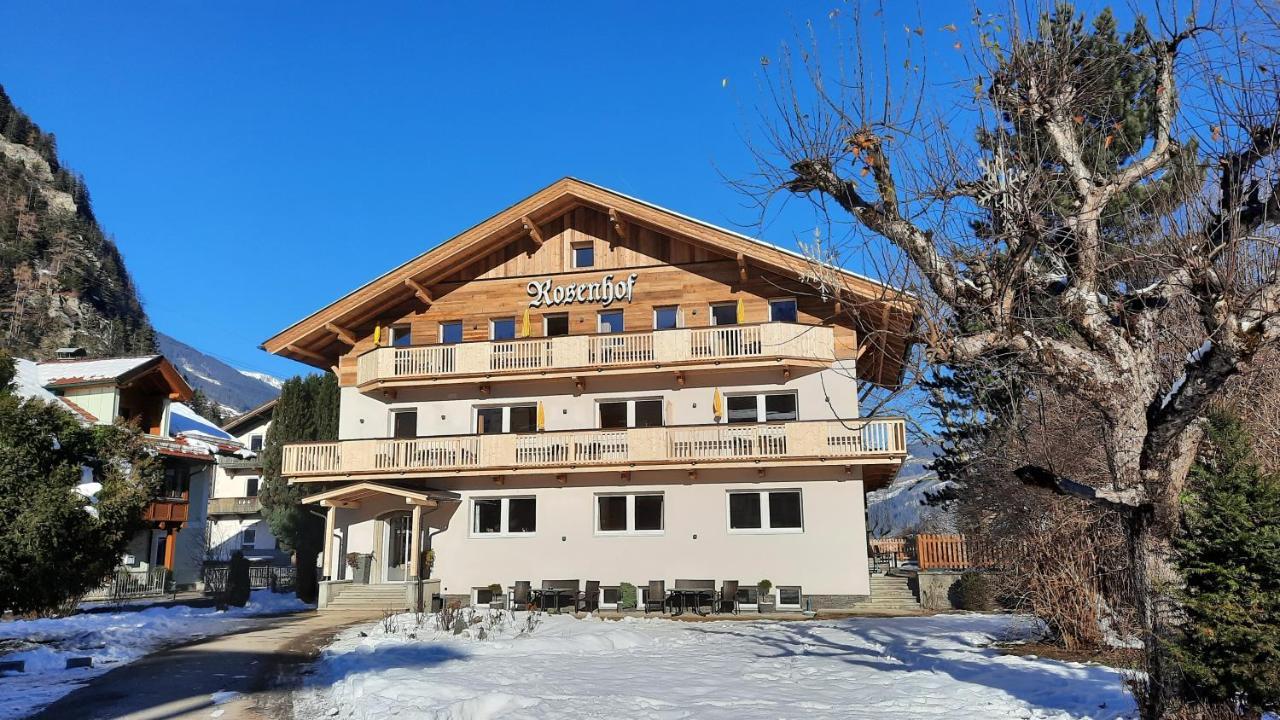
(157, 548)
(399, 530)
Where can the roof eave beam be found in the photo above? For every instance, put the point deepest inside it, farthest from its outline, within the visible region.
(343, 334)
(314, 356)
(420, 290)
(531, 227)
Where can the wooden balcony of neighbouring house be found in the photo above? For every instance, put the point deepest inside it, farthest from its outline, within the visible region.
(233, 464)
(167, 510)
(877, 445)
(679, 350)
(234, 506)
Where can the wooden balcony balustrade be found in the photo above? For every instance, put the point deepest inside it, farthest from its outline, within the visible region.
(166, 511)
(816, 442)
(766, 343)
(234, 505)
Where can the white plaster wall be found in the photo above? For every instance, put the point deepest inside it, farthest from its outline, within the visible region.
(224, 536)
(189, 555)
(828, 557)
(822, 395)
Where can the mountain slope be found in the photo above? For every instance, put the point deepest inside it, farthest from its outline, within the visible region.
(902, 508)
(62, 279)
(235, 390)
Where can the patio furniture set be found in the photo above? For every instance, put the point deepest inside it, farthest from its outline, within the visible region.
(558, 595)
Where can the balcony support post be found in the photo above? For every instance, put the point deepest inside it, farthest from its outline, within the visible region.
(170, 545)
(415, 541)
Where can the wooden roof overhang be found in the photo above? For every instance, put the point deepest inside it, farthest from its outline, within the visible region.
(320, 338)
(156, 375)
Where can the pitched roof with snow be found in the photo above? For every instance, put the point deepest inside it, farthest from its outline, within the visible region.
(75, 372)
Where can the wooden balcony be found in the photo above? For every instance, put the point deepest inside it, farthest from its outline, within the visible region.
(848, 442)
(234, 506)
(737, 346)
(169, 510)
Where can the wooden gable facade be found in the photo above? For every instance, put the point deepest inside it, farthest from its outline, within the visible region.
(484, 274)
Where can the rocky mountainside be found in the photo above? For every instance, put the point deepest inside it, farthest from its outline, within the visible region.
(62, 280)
(234, 391)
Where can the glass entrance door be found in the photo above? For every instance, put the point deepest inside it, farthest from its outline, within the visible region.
(399, 530)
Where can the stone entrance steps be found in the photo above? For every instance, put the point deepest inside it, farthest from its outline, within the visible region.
(370, 597)
(889, 592)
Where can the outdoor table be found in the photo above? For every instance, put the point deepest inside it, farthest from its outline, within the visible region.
(556, 593)
(683, 595)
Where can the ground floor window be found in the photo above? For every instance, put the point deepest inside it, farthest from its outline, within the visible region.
(748, 596)
(768, 510)
(610, 597)
(789, 596)
(634, 513)
(248, 538)
(484, 596)
(504, 516)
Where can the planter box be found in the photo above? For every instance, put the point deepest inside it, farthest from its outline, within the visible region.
(766, 607)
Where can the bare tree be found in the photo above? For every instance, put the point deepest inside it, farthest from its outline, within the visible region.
(1098, 212)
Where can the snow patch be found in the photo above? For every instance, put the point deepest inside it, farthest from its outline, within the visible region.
(271, 380)
(934, 667)
(111, 639)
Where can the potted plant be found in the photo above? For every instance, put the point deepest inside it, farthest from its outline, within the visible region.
(497, 598)
(360, 567)
(764, 596)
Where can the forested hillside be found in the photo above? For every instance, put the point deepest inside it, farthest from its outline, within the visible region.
(62, 280)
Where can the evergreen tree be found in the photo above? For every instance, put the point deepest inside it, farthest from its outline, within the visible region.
(59, 536)
(307, 410)
(206, 408)
(1229, 558)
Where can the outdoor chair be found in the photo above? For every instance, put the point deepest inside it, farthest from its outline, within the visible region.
(728, 597)
(521, 595)
(589, 599)
(657, 595)
(559, 594)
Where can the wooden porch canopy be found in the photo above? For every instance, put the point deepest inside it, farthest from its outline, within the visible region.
(320, 338)
(349, 496)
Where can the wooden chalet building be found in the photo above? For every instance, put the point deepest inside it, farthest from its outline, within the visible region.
(589, 386)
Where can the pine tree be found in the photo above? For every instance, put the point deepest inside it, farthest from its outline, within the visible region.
(1229, 557)
(307, 410)
(56, 542)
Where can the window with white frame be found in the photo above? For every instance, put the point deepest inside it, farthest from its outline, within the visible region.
(783, 310)
(504, 517)
(761, 407)
(748, 596)
(494, 419)
(451, 332)
(484, 596)
(401, 335)
(640, 413)
(255, 442)
(610, 321)
(404, 423)
(610, 596)
(765, 511)
(555, 324)
(502, 328)
(584, 255)
(248, 538)
(629, 514)
(666, 317)
(789, 596)
(725, 313)
(251, 487)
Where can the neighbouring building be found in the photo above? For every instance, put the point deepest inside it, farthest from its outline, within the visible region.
(589, 386)
(235, 513)
(149, 392)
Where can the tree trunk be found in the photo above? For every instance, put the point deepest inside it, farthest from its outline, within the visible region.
(1146, 552)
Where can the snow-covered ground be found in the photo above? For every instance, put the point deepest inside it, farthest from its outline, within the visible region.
(111, 639)
(920, 667)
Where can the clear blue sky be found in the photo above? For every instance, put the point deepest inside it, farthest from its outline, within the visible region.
(257, 160)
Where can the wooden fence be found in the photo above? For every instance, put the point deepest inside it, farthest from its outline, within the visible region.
(941, 552)
(928, 552)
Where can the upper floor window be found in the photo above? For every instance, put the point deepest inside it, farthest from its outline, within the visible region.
(255, 443)
(611, 321)
(783, 310)
(251, 487)
(502, 328)
(769, 510)
(617, 414)
(404, 423)
(451, 332)
(248, 538)
(504, 516)
(630, 513)
(177, 482)
(401, 335)
(724, 313)
(584, 255)
(761, 407)
(666, 318)
(555, 324)
(506, 419)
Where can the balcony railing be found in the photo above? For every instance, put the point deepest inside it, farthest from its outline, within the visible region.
(581, 353)
(234, 505)
(683, 446)
(167, 510)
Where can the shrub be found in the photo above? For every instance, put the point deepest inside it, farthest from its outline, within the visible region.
(972, 591)
(628, 596)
